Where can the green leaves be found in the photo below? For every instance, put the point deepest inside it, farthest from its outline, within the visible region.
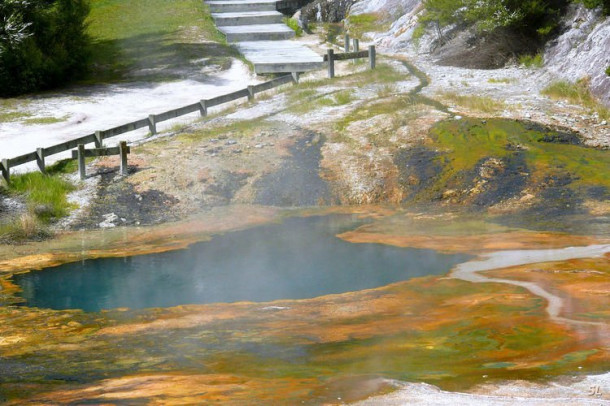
(42, 43)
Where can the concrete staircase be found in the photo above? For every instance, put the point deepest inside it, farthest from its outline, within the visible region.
(256, 28)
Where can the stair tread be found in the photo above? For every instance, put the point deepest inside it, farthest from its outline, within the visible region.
(255, 28)
(240, 2)
(239, 14)
(269, 52)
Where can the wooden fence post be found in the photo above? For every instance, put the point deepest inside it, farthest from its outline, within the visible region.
(152, 124)
(123, 152)
(99, 142)
(356, 45)
(346, 43)
(331, 63)
(250, 93)
(295, 77)
(81, 162)
(40, 159)
(203, 108)
(372, 56)
(6, 170)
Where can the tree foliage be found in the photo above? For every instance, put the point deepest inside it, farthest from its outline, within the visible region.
(43, 43)
(532, 16)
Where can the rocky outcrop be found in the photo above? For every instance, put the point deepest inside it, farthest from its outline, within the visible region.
(328, 11)
(404, 13)
(582, 50)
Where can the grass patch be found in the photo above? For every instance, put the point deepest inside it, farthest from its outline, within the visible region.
(532, 61)
(383, 73)
(328, 32)
(46, 196)
(500, 80)
(386, 90)
(360, 24)
(392, 106)
(343, 97)
(577, 93)
(478, 103)
(45, 120)
(151, 38)
(236, 129)
(608, 71)
(12, 110)
(294, 25)
(26, 227)
(339, 98)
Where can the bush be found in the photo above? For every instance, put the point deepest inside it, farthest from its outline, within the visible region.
(532, 18)
(42, 44)
(608, 71)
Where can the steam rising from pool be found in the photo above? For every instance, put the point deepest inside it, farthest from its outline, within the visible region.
(299, 258)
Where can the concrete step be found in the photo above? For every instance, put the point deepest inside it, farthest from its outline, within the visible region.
(236, 6)
(257, 32)
(247, 18)
(280, 56)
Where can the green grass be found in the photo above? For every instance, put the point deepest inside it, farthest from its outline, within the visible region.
(392, 106)
(294, 25)
(577, 93)
(360, 24)
(328, 32)
(46, 196)
(302, 105)
(532, 61)
(500, 80)
(478, 103)
(608, 71)
(44, 120)
(151, 36)
(26, 227)
(12, 110)
(386, 90)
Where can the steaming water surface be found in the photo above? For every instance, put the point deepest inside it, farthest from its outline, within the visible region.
(299, 258)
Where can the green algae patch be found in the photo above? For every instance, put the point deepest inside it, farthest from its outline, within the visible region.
(512, 155)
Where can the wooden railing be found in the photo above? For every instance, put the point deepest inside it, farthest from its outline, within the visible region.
(151, 122)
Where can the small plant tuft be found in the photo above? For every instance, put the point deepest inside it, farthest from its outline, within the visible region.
(532, 61)
(578, 93)
(479, 103)
(294, 25)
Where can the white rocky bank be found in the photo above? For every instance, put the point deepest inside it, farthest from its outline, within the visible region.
(582, 50)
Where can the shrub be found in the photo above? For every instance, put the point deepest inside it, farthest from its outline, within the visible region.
(608, 71)
(42, 44)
